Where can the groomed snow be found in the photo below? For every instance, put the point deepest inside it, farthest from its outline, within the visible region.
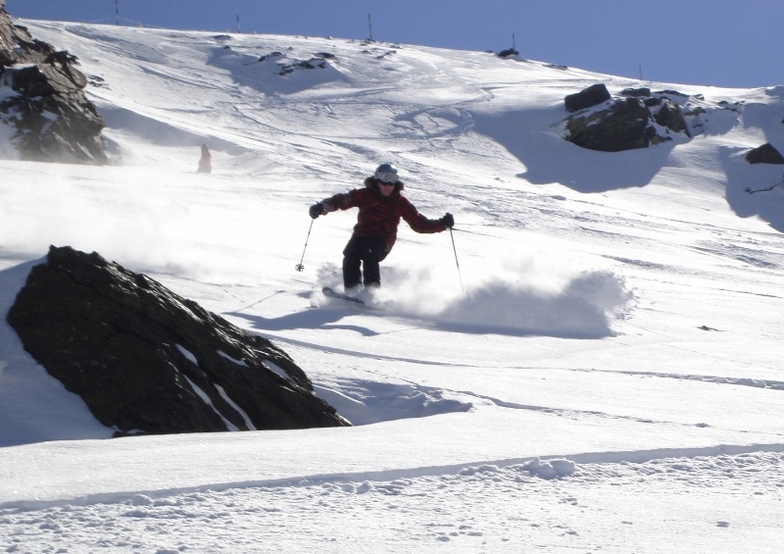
(589, 363)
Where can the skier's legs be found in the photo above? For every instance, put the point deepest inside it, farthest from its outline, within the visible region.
(367, 252)
(374, 249)
(351, 264)
(371, 272)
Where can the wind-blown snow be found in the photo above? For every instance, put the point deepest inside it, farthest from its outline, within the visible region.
(589, 362)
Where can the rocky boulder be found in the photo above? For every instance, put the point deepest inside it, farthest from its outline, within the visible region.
(623, 126)
(42, 99)
(765, 154)
(587, 98)
(641, 91)
(637, 119)
(147, 361)
(670, 116)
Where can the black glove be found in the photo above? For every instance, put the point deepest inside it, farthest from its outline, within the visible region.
(448, 221)
(316, 210)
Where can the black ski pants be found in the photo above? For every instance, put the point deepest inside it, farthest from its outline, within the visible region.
(365, 251)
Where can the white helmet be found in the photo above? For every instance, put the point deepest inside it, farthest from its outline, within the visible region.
(386, 173)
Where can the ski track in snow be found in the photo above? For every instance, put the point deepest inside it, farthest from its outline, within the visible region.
(552, 504)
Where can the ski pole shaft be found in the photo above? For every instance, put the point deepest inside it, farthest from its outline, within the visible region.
(299, 266)
(457, 262)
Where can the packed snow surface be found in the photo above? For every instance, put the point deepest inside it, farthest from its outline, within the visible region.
(589, 362)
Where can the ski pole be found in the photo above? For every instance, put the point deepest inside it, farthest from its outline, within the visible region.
(457, 262)
(299, 266)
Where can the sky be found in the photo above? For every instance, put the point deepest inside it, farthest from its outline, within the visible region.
(703, 42)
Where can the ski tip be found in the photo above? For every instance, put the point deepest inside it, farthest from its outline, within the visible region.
(332, 293)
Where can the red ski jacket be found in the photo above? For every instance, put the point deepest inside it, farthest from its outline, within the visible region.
(379, 214)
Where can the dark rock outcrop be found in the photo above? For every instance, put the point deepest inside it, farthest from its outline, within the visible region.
(287, 65)
(641, 91)
(669, 115)
(146, 360)
(46, 105)
(623, 126)
(508, 53)
(765, 154)
(587, 98)
(636, 120)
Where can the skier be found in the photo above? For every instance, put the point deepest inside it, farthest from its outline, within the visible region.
(381, 205)
(205, 162)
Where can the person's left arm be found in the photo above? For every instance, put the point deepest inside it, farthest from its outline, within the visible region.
(422, 224)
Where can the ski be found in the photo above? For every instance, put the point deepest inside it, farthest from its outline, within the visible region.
(332, 293)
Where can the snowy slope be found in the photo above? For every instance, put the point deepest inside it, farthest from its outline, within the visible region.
(615, 321)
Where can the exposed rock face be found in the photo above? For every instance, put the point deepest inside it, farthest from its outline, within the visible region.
(586, 98)
(42, 98)
(637, 120)
(623, 126)
(765, 154)
(642, 91)
(669, 115)
(146, 360)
